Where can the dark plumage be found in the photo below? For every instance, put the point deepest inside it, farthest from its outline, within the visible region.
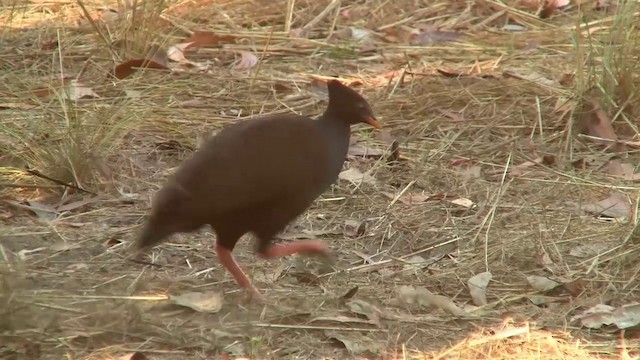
(256, 176)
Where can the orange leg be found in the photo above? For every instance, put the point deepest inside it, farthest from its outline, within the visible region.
(229, 262)
(302, 246)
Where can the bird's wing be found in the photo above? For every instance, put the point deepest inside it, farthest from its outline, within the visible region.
(252, 163)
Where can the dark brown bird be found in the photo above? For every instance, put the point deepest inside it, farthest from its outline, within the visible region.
(257, 176)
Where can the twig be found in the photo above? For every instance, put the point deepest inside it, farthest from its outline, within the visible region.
(310, 327)
(29, 186)
(59, 182)
(289, 17)
(322, 15)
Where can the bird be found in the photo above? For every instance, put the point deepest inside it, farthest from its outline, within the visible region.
(256, 176)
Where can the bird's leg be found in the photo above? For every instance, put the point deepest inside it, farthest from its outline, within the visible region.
(231, 265)
(302, 246)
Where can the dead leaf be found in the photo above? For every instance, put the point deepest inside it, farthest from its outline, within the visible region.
(357, 344)
(247, 61)
(617, 168)
(111, 242)
(77, 266)
(364, 308)
(429, 37)
(64, 246)
(519, 170)
(157, 55)
(318, 88)
(541, 283)
(354, 176)
(593, 121)
(49, 45)
(78, 204)
(415, 262)
(361, 150)
(209, 38)
(77, 90)
(309, 234)
(360, 34)
(133, 356)
(468, 173)
(341, 319)
(23, 254)
(409, 198)
(615, 206)
(43, 211)
(129, 67)
(355, 228)
(589, 249)
(270, 276)
(464, 202)
(422, 296)
(298, 33)
(478, 287)
(531, 75)
(176, 52)
(351, 293)
(206, 302)
(514, 27)
(550, 6)
(19, 106)
(624, 317)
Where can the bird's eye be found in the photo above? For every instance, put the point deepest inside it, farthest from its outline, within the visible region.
(360, 106)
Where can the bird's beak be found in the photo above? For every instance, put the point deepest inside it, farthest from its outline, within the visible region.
(373, 122)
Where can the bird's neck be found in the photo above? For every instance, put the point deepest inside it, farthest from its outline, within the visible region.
(337, 132)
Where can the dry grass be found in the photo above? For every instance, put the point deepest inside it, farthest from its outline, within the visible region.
(68, 292)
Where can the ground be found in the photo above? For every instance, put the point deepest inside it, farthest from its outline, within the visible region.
(481, 168)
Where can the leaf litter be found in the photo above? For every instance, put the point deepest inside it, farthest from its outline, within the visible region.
(403, 120)
(205, 302)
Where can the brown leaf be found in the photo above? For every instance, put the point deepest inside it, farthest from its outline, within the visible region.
(298, 33)
(78, 204)
(247, 61)
(614, 206)
(469, 173)
(422, 296)
(351, 293)
(364, 151)
(176, 52)
(20, 106)
(49, 45)
(457, 74)
(531, 75)
(157, 55)
(595, 122)
(478, 287)
(129, 67)
(428, 37)
(384, 136)
(64, 246)
(356, 177)
(205, 302)
(519, 170)
(356, 343)
(617, 168)
(542, 283)
(413, 199)
(550, 6)
(626, 316)
(355, 228)
(77, 91)
(364, 308)
(209, 38)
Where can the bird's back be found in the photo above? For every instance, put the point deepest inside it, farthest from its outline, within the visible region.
(270, 161)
